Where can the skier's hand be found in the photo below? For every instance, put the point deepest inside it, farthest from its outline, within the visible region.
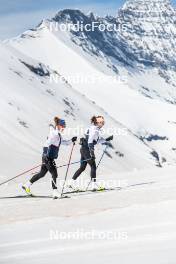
(74, 139)
(109, 138)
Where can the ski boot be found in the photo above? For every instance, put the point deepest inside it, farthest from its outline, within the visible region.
(96, 188)
(56, 194)
(72, 186)
(26, 188)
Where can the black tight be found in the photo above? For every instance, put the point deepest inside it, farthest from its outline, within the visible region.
(85, 154)
(47, 165)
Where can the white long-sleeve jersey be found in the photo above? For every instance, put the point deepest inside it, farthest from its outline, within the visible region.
(55, 138)
(94, 135)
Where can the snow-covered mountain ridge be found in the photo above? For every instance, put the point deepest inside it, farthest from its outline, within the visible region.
(145, 39)
(148, 37)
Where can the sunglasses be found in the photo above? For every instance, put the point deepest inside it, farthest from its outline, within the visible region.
(101, 122)
(63, 126)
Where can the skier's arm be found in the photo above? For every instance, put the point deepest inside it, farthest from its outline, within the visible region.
(91, 136)
(51, 134)
(68, 142)
(91, 141)
(101, 140)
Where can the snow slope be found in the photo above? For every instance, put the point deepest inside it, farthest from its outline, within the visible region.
(137, 223)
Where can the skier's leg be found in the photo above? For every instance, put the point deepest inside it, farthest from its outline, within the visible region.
(83, 164)
(94, 184)
(36, 177)
(81, 169)
(39, 175)
(92, 164)
(53, 170)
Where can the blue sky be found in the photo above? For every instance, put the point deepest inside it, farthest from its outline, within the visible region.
(18, 15)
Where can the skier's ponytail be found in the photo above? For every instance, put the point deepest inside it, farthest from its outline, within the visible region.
(56, 120)
(94, 120)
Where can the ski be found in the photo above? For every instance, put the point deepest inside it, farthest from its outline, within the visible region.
(48, 196)
(74, 191)
(92, 191)
(64, 197)
(78, 192)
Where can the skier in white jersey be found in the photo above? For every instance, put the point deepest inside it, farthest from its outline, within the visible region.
(50, 153)
(92, 137)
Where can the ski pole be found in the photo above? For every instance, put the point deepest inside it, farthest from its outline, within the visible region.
(98, 164)
(102, 156)
(72, 163)
(68, 166)
(19, 175)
